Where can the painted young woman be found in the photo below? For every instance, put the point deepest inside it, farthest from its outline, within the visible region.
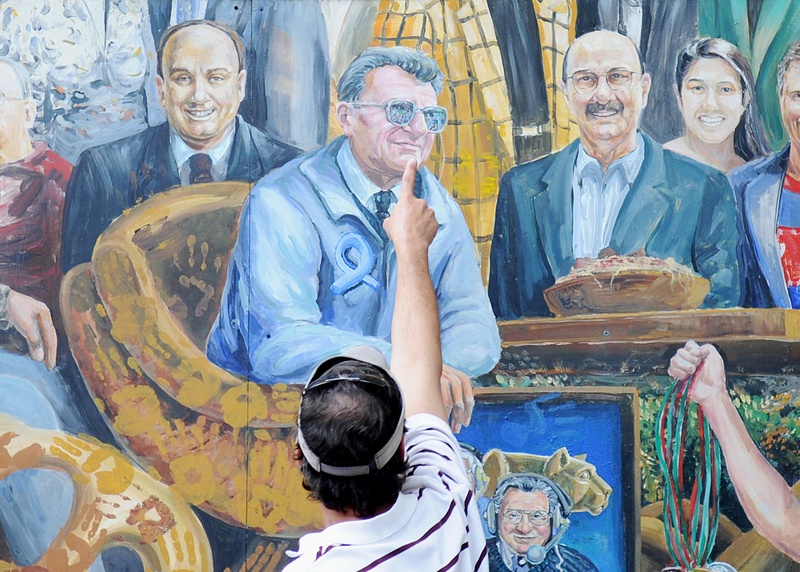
(715, 90)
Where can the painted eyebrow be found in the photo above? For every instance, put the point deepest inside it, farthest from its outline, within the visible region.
(731, 82)
(616, 68)
(190, 72)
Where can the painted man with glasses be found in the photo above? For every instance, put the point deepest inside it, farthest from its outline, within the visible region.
(313, 272)
(615, 189)
(530, 515)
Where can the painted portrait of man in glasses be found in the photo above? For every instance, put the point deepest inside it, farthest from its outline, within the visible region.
(529, 516)
(313, 272)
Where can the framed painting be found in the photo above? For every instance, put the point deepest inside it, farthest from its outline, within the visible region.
(580, 448)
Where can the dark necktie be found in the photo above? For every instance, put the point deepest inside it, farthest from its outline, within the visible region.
(200, 169)
(383, 200)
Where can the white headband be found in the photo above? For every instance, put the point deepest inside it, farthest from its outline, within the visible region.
(372, 357)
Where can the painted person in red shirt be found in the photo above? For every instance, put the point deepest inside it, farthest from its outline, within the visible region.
(33, 180)
(33, 504)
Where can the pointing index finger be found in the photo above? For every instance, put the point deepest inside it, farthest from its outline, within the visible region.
(409, 177)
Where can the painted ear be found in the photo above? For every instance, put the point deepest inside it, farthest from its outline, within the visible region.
(581, 457)
(241, 83)
(345, 116)
(29, 113)
(557, 462)
(160, 90)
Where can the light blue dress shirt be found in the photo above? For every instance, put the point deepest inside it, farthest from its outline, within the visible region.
(597, 198)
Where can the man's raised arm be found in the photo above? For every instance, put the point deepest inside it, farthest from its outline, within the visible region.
(416, 344)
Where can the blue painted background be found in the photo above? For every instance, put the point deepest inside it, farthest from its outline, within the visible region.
(543, 425)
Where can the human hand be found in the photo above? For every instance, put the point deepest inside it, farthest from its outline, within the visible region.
(457, 397)
(709, 382)
(32, 319)
(412, 225)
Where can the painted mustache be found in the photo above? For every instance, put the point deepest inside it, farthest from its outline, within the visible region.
(610, 108)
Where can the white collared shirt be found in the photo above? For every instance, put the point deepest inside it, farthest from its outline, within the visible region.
(597, 198)
(220, 154)
(359, 183)
(434, 523)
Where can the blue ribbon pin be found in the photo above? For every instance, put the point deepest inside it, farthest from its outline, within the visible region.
(354, 273)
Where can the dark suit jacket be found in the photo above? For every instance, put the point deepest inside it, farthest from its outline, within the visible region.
(286, 43)
(758, 187)
(111, 178)
(675, 208)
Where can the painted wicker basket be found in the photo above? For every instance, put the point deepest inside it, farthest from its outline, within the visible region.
(627, 284)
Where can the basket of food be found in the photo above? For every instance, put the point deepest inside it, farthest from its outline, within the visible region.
(634, 283)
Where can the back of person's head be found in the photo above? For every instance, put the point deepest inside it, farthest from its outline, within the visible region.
(413, 62)
(749, 139)
(349, 429)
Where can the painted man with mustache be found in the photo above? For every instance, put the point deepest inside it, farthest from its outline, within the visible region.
(615, 188)
(313, 272)
(201, 83)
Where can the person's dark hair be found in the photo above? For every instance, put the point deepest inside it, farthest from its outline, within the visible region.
(413, 62)
(792, 56)
(565, 63)
(227, 30)
(749, 140)
(345, 424)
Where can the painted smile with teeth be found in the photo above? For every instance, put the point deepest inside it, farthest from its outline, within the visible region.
(711, 120)
(199, 113)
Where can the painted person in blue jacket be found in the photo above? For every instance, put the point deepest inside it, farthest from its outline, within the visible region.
(768, 191)
(313, 272)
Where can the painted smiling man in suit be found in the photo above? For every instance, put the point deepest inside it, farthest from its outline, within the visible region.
(201, 82)
(613, 188)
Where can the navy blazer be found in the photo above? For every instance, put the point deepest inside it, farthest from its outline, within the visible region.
(675, 208)
(758, 187)
(113, 177)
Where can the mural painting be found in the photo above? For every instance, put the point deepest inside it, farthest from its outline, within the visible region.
(192, 198)
(543, 445)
